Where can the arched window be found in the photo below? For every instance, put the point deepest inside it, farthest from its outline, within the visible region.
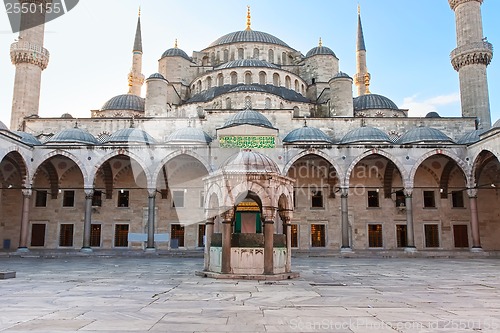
(217, 58)
(303, 90)
(282, 106)
(204, 61)
(220, 80)
(297, 86)
(248, 78)
(256, 53)
(228, 103)
(296, 112)
(270, 56)
(209, 82)
(226, 55)
(283, 58)
(248, 102)
(241, 53)
(234, 78)
(288, 82)
(268, 104)
(276, 79)
(212, 57)
(198, 87)
(262, 78)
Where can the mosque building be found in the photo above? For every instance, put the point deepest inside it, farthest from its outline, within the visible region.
(251, 136)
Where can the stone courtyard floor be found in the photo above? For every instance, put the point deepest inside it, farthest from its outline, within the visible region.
(158, 294)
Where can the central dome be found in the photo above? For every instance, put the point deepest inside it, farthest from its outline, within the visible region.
(248, 117)
(248, 36)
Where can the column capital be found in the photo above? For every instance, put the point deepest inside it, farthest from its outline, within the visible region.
(151, 192)
(286, 215)
(408, 191)
(269, 213)
(472, 192)
(344, 192)
(455, 3)
(210, 221)
(89, 192)
(227, 216)
(27, 192)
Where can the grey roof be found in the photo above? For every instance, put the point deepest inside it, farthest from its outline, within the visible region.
(125, 102)
(73, 135)
(373, 101)
(248, 117)
(175, 52)
(341, 75)
(248, 36)
(138, 37)
(156, 76)
(365, 134)
(247, 63)
(497, 123)
(3, 127)
(287, 94)
(360, 43)
(28, 138)
(307, 134)
(66, 116)
(247, 161)
(130, 135)
(320, 50)
(471, 137)
(189, 134)
(432, 115)
(423, 135)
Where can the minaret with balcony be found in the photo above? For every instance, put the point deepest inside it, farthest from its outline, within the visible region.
(135, 77)
(362, 77)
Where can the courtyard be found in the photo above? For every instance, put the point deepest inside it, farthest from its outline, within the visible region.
(162, 294)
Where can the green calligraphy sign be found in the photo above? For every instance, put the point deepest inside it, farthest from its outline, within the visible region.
(247, 142)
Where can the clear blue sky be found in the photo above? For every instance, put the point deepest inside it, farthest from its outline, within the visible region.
(408, 46)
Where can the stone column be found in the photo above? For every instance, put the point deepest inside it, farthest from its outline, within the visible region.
(227, 220)
(87, 224)
(474, 221)
(209, 230)
(287, 226)
(410, 234)
(151, 219)
(23, 238)
(269, 214)
(344, 207)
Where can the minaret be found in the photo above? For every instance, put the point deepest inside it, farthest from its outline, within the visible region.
(362, 77)
(471, 57)
(135, 77)
(30, 58)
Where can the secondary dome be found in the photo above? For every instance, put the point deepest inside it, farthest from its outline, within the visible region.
(175, 52)
(189, 135)
(247, 63)
(320, 50)
(3, 127)
(156, 76)
(423, 135)
(365, 135)
(432, 114)
(307, 134)
(125, 102)
(74, 135)
(373, 101)
(471, 137)
(248, 117)
(341, 75)
(28, 138)
(249, 161)
(248, 36)
(130, 135)
(497, 123)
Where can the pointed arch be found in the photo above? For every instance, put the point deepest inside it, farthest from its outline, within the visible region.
(173, 155)
(119, 152)
(318, 153)
(63, 153)
(15, 158)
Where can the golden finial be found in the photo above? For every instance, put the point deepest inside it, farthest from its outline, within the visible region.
(359, 9)
(249, 19)
(175, 44)
(320, 42)
(139, 11)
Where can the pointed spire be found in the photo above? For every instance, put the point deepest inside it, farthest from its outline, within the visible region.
(360, 45)
(320, 44)
(249, 19)
(138, 35)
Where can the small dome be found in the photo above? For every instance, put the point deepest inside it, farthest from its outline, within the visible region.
(307, 134)
(432, 115)
(66, 116)
(28, 138)
(175, 52)
(247, 63)
(373, 101)
(248, 36)
(497, 123)
(365, 135)
(125, 102)
(471, 137)
(130, 135)
(342, 75)
(189, 135)
(247, 161)
(248, 117)
(74, 135)
(156, 76)
(320, 50)
(3, 127)
(423, 135)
